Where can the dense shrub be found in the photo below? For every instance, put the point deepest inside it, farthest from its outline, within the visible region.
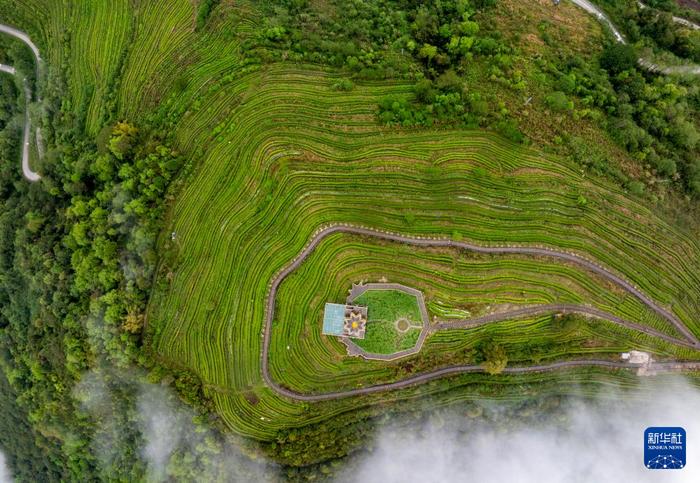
(618, 57)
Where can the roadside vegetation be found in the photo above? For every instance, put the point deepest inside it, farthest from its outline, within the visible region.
(653, 26)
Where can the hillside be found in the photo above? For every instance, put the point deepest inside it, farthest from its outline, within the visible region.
(189, 152)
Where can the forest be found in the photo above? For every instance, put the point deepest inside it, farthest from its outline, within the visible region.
(77, 258)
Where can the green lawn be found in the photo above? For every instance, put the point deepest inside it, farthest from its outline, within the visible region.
(383, 338)
(390, 305)
(384, 309)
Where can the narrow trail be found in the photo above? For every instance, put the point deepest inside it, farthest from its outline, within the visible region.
(26, 169)
(690, 69)
(560, 309)
(427, 329)
(692, 341)
(465, 369)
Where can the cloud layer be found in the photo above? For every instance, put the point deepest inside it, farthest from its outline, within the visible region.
(174, 442)
(552, 440)
(5, 475)
(595, 441)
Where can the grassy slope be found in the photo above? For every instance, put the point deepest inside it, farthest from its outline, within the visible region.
(572, 33)
(281, 153)
(383, 338)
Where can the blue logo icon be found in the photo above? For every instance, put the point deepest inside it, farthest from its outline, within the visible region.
(664, 448)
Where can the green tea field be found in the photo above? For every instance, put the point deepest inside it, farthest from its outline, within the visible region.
(277, 149)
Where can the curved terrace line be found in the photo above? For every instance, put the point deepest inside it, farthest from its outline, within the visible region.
(26, 169)
(443, 242)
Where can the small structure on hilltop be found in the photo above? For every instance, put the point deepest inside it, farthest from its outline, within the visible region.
(345, 320)
(636, 357)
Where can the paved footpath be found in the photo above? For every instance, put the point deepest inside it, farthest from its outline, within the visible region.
(560, 309)
(691, 340)
(427, 329)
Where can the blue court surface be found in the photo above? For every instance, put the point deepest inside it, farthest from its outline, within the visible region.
(333, 318)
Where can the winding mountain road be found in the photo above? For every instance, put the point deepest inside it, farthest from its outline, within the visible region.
(691, 69)
(692, 340)
(598, 13)
(8, 69)
(26, 169)
(427, 329)
(678, 20)
(6, 29)
(465, 369)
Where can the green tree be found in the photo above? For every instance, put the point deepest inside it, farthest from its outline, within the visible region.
(123, 139)
(428, 52)
(493, 356)
(618, 57)
(557, 101)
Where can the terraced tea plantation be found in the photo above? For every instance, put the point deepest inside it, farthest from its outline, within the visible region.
(314, 156)
(277, 152)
